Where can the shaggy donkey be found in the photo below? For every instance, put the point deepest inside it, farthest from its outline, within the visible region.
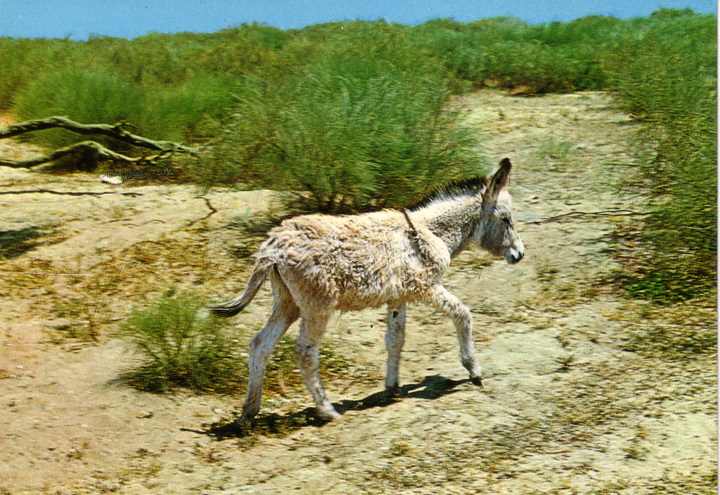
(318, 264)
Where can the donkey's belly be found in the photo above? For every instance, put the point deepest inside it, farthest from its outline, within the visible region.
(355, 298)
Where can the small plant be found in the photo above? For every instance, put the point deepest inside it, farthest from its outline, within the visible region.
(546, 273)
(77, 308)
(565, 361)
(180, 347)
(400, 449)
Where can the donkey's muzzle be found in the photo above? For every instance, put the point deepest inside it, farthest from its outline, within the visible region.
(515, 254)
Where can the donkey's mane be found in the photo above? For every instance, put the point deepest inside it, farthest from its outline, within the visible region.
(465, 187)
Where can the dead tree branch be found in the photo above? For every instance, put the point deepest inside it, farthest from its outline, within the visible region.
(117, 131)
(99, 151)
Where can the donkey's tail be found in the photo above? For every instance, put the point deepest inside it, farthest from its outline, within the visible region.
(231, 308)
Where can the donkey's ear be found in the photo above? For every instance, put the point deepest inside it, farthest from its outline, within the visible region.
(500, 179)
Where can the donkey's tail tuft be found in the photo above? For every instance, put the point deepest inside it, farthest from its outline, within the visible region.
(231, 308)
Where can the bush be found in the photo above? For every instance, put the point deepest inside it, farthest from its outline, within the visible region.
(186, 113)
(507, 52)
(667, 78)
(23, 61)
(190, 113)
(86, 96)
(354, 115)
(181, 348)
(347, 135)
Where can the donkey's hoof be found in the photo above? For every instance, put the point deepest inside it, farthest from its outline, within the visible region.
(242, 425)
(328, 415)
(395, 391)
(229, 430)
(476, 380)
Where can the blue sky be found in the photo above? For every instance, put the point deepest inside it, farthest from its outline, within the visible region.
(132, 18)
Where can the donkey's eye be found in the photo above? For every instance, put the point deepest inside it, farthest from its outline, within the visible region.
(507, 221)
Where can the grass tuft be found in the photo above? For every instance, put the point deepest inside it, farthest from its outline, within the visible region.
(180, 346)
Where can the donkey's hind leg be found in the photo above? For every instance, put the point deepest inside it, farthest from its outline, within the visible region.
(284, 313)
(394, 341)
(459, 313)
(312, 328)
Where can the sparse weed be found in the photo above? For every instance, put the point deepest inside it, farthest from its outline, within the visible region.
(400, 448)
(84, 315)
(673, 341)
(546, 273)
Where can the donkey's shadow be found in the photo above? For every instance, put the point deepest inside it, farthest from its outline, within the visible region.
(431, 387)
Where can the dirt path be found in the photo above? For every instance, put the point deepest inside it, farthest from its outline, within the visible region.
(569, 405)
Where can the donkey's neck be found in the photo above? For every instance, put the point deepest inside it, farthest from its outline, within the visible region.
(453, 220)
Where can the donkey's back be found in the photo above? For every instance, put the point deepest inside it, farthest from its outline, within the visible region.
(357, 261)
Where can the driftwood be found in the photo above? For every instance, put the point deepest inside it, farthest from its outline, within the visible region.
(98, 151)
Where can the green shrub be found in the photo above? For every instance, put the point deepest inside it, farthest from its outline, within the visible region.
(348, 135)
(508, 52)
(354, 116)
(666, 77)
(12, 76)
(86, 96)
(192, 112)
(180, 348)
(23, 61)
(186, 113)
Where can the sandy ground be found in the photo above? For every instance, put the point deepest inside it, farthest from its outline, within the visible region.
(568, 405)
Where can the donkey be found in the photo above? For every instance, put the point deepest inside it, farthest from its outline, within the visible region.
(318, 264)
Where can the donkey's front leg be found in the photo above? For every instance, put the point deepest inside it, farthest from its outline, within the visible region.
(394, 340)
(459, 313)
(307, 349)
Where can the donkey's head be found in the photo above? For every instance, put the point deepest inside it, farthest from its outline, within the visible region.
(496, 231)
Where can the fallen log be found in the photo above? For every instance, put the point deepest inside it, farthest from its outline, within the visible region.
(98, 151)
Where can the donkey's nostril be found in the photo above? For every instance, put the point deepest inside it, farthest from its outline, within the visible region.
(513, 256)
